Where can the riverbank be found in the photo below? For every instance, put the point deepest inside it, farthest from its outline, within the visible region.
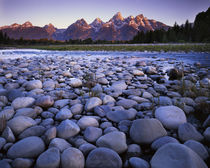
(111, 111)
(188, 47)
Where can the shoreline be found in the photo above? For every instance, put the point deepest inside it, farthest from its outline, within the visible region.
(124, 108)
(177, 47)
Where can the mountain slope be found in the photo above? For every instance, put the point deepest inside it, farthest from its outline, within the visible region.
(117, 28)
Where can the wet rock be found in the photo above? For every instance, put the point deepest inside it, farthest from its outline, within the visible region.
(170, 116)
(29, 147)
(103, 157)
(145, 131)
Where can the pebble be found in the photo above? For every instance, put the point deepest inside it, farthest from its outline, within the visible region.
(103, 157)
(20, 123)
(119, 115)
(63, 114)
(22, 163)
(49, 158)
(29, 147)
(170, 116)
(187, 131)
(72, 157)
(92, 102)
(175, 155)
(59, 143)
(22, 102)
(34, 84)
(45, 101)
(87, 121)
(145, 131)
(53, 120)
(136, 162)
(198, 148)
(74, 82)
(114, 140)
(91, 134)
(67, 128)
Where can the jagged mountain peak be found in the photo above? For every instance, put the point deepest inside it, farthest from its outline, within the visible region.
(15, 25)
(117, 28)
(97, 20)
(81, 22)
(139, 18)
(50, 28)
(97, 24)
(118, 16)
(50, 25)
(27, 24)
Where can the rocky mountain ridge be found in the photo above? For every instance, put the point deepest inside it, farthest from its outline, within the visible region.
(117, 28)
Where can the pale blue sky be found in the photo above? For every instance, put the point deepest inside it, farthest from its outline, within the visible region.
(62, 13)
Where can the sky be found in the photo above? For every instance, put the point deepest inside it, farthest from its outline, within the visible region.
(62, 13)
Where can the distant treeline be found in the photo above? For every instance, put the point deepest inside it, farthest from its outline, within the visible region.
(199, 31)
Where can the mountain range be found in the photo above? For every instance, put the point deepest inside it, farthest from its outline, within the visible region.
(117, 28)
